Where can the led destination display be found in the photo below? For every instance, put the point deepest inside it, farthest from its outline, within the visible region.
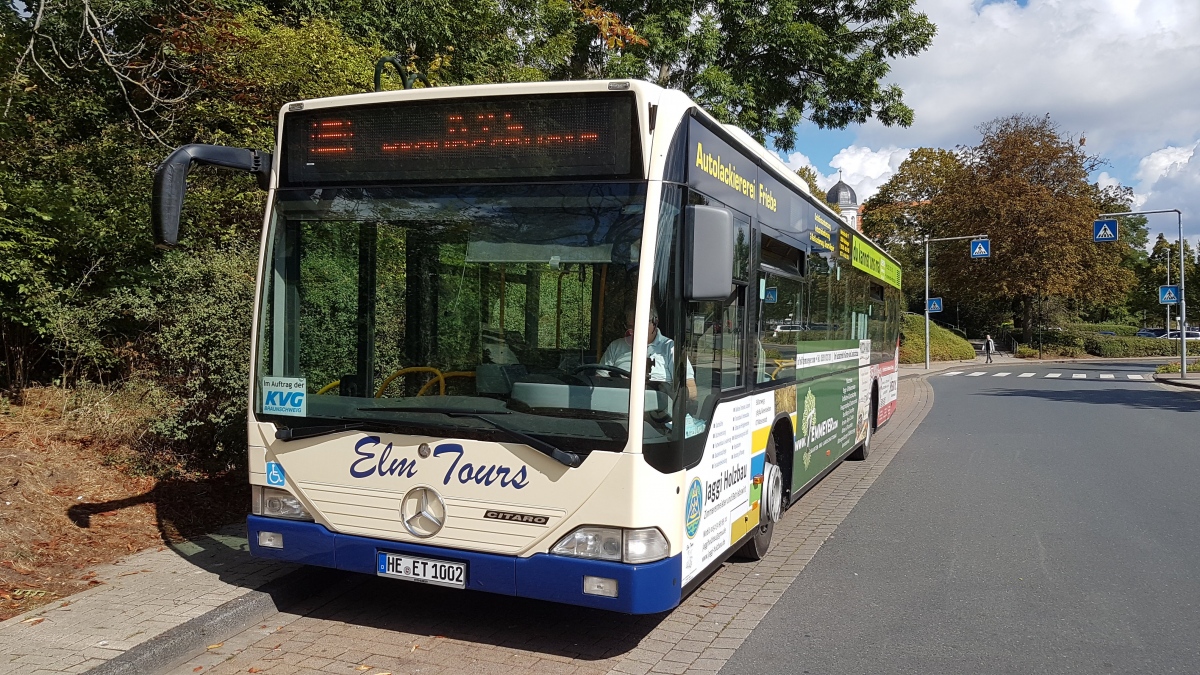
(566, 136)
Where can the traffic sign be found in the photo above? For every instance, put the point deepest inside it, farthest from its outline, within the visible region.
(1168, 295)
(981, 248)
(935, 305)
(771, 295)
(1104, 230)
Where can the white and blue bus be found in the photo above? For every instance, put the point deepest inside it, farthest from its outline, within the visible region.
(572, 341)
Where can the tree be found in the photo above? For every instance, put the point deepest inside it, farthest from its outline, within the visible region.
(766, 65)
(1026, 185)
(809, 176)
(904, 211)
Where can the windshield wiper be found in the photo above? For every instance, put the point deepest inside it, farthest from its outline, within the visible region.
(558, 454)
(296, 433)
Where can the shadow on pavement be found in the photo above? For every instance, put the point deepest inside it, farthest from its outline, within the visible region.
(200, 520)
(429, 612)
(1144, 399)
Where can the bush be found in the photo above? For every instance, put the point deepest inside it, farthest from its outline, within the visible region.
(1119, 328)
(1115, 347)
(1026, 352)
(198, 354)
(944, 345)
(1173, 367)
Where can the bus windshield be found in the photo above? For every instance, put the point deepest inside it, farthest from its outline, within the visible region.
(427, 307)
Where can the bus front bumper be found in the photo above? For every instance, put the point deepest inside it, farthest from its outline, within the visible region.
(641, 589)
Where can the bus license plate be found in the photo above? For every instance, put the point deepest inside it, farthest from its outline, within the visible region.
(424, 570)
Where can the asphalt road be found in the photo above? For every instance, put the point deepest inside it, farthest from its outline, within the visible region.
(1030, 525)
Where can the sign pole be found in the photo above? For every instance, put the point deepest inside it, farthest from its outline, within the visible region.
(926, 302)
(1182, 305)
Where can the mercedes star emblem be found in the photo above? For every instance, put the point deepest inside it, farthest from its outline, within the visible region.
(423, 512)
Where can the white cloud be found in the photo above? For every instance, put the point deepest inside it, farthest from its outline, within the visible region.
(865, 169)
(1126, 72)
(1169, 178)
(862, 168)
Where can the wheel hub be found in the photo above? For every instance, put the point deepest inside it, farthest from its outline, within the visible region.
(773, 492)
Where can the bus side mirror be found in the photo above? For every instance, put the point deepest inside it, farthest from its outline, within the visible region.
(709, 237)
(170, 182)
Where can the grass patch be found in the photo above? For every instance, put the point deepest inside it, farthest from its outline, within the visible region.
(943, 344)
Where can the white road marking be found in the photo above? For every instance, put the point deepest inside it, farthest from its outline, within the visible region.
(1001, 374)
(1027, 374)
(976, 374)
(1134, 377)
(1053, 374)
(1079, 376)
(1106, 377)
(953, 373)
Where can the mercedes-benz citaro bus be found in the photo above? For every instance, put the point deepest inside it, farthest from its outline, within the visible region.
(574, 341)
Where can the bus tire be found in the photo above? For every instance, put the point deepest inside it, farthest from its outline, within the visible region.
(863, 450)
(770, 507)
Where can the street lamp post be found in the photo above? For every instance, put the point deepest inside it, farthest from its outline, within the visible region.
(1182, 301)
(927, 242)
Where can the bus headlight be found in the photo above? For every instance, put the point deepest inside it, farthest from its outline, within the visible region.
(275, 503)
(642, 545)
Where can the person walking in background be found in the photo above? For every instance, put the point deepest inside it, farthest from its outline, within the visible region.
(988, 348)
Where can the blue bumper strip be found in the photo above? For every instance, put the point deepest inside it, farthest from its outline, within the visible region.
(641, 589)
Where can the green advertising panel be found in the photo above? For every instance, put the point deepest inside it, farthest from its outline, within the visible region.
(827, 412)
(871, 261)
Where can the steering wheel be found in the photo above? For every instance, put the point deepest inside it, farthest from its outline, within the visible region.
(592, 367)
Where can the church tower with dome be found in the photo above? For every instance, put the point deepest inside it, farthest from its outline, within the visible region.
(847, 201)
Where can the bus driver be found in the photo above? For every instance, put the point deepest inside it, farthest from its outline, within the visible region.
(660, 352)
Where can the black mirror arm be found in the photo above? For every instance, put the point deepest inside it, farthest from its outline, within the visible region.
(170, 181)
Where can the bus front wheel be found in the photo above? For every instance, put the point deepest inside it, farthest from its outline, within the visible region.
(770, 507)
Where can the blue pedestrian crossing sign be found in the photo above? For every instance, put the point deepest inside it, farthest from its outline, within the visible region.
(1168, 295)
(935, 305)
(1104, 230)
(981, 248)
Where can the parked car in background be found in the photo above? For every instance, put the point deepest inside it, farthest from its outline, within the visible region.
(1174, 335)
(1151, 332)
(1105, 332)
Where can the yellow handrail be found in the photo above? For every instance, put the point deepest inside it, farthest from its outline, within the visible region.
(780, 364)
(327, 387)
(437, 376)
(445, 376)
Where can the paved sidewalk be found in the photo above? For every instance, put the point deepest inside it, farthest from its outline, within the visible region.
(139, 598)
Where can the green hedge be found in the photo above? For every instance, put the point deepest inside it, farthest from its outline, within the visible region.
(1119, 328)
(1113, 347)
(943, 344)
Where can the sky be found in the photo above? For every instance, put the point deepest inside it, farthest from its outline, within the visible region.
(1125, 74)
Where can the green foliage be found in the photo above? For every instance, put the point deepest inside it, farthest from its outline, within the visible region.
(1173, 367)
(198, 351)
(943, 344)
(1118, 328)
(1026, 352)
(1115, 347)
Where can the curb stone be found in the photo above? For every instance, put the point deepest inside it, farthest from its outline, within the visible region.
(181, 642)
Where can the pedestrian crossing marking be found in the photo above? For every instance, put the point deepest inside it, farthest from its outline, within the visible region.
(1134, 377)
(1001, 374)
(1106, 377)
(1105, 233)
(1053, 374)
(977, 374)
(1027, 374)
(980, 249)
(1079, 376)
(1169, 296)
(953, 373)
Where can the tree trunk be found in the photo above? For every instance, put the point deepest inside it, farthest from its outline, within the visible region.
(1027, 320)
